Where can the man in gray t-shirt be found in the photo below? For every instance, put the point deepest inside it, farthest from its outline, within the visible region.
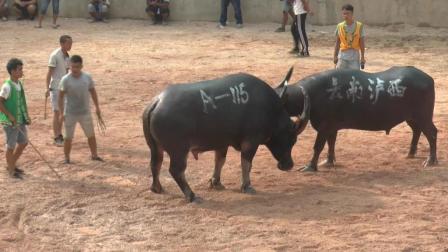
(75, 91)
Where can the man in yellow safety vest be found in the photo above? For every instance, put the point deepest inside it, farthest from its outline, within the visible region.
(350, 42)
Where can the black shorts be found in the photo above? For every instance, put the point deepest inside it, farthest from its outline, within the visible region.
(24, 10)
(155, 9)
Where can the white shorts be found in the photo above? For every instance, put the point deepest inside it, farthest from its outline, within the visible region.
(85, 121)
(54, 98)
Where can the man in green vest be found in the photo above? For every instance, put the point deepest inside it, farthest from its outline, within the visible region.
(14, 116)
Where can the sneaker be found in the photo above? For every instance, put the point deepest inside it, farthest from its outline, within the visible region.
(4, 19)
(59, 141)
(220, 26)
(280, 29)
(294, 50)
(239, 26)
(17, 175)
(303, 54)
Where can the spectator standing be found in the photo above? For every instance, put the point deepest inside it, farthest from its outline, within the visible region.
(43, 11)
(238, 13)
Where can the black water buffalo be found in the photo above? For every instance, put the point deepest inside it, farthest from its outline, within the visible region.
(352, 99)
(239, 110)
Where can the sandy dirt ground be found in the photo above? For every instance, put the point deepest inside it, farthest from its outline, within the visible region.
(375, 199)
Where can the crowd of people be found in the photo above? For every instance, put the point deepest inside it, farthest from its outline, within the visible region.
(70, 89)
(157, 10)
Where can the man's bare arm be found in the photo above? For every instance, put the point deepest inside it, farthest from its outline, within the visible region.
(95, 100)
(48, 80)
(336, 50)
(363, 49)
(61, 102)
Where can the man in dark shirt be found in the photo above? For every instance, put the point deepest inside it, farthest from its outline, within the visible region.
(158, 10)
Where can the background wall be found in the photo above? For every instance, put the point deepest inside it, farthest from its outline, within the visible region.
(378, 12)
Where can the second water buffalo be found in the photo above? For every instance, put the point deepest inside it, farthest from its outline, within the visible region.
(353, 99)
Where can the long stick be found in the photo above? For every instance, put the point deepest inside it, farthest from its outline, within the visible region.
(42, 157)
(45, 108)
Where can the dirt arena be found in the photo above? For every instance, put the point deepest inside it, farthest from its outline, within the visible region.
(375, 199)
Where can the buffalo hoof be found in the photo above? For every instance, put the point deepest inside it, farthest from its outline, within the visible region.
(309, 168)
(192, 198)
(216, 185)
(327, 163)
(430, 162)
(248, 189)
(197, 200)
(156, 188)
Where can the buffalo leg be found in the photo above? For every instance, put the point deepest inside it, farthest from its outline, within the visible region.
(416, 132)
(247, 155)
(220, 159)
(318, 147)
(331, 157)
(430, 132)
(156, 165)
(178, 164)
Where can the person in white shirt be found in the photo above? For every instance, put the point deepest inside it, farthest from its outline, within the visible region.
(57, 67)
(301, 10)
